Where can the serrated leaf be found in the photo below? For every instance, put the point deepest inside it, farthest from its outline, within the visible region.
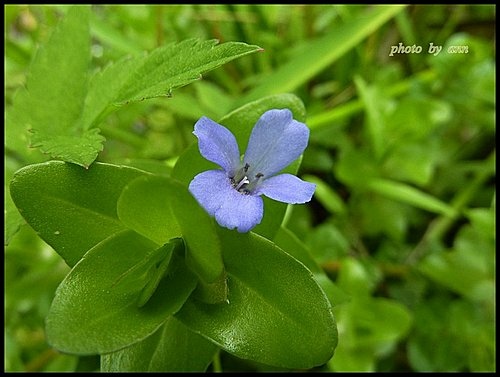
(57, 82)
(95, 307)
(82, 149)
(156, 74)
(276, 313)
(57, 86)
(17, 135)
(176, 65)
(172, 348)
(72, 209)
(58, 107)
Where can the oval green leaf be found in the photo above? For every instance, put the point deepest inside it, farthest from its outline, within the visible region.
(288, 241)
(276, 313)
(172, 348)
(71, 208)
(95, 309)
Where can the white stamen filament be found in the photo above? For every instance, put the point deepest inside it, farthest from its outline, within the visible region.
(242, 182)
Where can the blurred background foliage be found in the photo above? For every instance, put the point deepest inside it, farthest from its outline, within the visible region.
(402, 150)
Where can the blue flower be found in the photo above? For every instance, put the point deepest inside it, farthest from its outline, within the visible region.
(233, 195)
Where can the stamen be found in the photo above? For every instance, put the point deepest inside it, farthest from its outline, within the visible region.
(241, 183)
(252, 185)
(240, 174)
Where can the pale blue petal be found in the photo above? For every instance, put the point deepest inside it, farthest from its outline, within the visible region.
(211, 188)
(232, 209)
(217, 144)
(287, 188)
(241, 212)
(275, 142)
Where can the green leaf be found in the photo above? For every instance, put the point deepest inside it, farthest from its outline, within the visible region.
(372, 328)
(241, 122)
(407, 194)
(72, 209)
(161, 208)
(172, 348)
(276, 314)
(157, 266)
(289, 242)
(179, 64)
(144, 206)
(469, 342)
(95, 309)
(412, 162)
(467, 268)
(375, 124)
(156, 74)
(17, 135)
(57, 82)
(320, 53)
(57, 86)
(81, 149)
(462, 271)
(60, 107)
(356, 167)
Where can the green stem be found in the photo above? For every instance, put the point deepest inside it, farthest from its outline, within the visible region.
(216, 362)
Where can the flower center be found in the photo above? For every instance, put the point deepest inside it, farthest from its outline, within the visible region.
(244, 183)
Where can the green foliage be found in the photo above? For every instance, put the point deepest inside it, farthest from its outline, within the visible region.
(322, 52)
(294, 316)
(110, 263)
(60, 115)
(156, 74)
(71, 209)
(96, 308)
(173, 347)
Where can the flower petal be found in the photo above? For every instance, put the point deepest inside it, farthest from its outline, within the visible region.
(232, 209)
(211, 188)
(240, 211)
(217, 144)
(287, 188)
(275, 142)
